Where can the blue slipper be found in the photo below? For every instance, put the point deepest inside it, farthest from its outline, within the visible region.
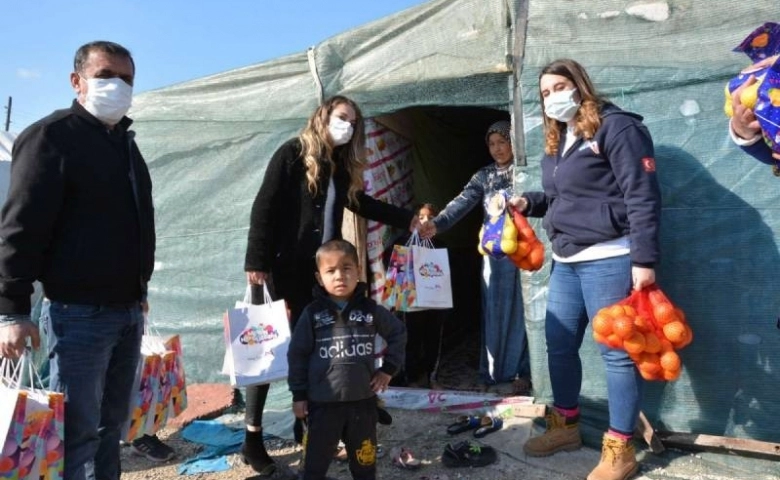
(464, 423)
(488, 425)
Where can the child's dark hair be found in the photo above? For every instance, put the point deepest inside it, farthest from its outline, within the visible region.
(433, 208)
(337, 246)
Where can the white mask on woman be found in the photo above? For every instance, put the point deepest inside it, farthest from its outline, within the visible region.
(561, 106)
(108, 99)
(340, 131)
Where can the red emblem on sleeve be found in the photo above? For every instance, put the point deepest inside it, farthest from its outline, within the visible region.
(649, 164)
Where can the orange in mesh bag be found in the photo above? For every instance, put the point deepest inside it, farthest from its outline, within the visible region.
(530, 250)
(650, 328)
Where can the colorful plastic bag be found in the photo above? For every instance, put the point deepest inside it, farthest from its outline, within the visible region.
(394, 277)
(145, 392)
(498, 235)
(763, 97)
(177, 378)
(32, 426)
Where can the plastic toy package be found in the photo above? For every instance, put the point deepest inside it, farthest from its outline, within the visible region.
(763, 97)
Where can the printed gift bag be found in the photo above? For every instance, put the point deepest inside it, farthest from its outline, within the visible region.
(257, 338)
(13, 404)
(159, 391)
(145, 390)
(395, 271)
(162, 404)
(51, 452)
(177, 380)
(31, 426)
(432, 279)
(400, 290)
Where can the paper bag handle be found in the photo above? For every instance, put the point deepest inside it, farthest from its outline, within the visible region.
(266, 294)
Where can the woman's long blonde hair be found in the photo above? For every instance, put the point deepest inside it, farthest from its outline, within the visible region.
(316, 145)
(588, 119)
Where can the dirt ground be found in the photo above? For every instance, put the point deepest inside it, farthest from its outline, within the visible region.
(425, 435)
(421, 432)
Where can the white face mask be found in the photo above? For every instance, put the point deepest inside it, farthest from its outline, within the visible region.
(561, 106)
(108, 99)
(340, 131)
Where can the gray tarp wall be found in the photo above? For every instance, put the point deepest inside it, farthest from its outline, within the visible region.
(207, 141)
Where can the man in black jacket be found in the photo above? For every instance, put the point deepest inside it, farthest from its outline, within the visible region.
(79, 219)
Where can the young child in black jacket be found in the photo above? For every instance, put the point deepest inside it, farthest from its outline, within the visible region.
(331, 359)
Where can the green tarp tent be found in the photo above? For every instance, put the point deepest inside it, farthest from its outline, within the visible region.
(441, 72)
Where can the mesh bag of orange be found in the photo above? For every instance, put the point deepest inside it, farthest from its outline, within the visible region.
(530, 250)
(650, 328)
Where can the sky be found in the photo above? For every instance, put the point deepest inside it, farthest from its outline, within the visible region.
(172, 41)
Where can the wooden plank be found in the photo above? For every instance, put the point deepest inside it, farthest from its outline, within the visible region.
(528, 410)
(713, 443)
(647, 432)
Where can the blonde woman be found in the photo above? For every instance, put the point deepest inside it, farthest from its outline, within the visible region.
(307, 184)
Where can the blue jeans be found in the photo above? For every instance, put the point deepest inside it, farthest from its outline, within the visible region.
(94, 352)
(576, 292)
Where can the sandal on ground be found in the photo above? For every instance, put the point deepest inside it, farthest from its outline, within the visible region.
(488, 425)
(521, 386)
(403, 458)
(463, 424)
(468, 454)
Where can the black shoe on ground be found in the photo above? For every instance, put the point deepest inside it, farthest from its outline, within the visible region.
(152, 448)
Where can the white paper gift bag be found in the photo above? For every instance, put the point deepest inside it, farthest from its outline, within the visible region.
(432, 277)
(257, 338)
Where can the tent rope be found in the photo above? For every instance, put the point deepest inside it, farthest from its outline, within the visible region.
(310, 54)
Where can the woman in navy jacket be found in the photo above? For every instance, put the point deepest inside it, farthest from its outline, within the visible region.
(601, 205)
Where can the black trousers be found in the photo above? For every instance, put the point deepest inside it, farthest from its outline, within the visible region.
(423, 344)
(352, 422)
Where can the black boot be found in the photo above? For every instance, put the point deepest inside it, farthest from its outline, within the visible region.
(253, 453)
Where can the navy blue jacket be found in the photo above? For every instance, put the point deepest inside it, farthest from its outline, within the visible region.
(331, 355)
(602, 189)
(761, 152)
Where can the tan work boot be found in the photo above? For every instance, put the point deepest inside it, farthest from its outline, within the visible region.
(562, 434)
(618, 460)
